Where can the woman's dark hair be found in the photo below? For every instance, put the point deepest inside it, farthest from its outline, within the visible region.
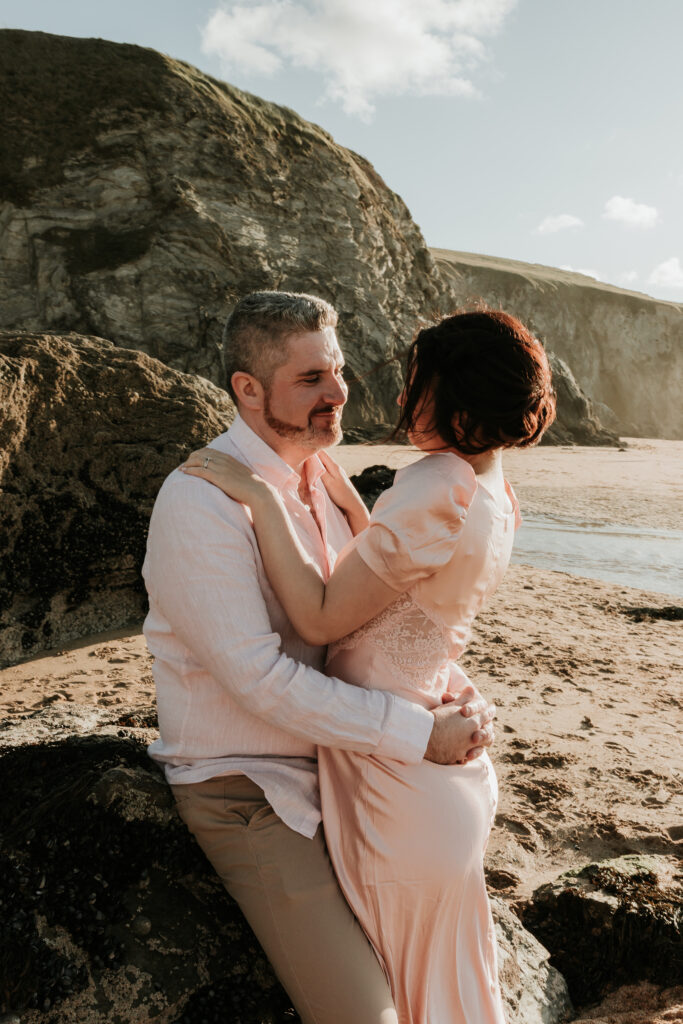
(490, 381)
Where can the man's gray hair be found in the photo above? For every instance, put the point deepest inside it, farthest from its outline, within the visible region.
(256, 332)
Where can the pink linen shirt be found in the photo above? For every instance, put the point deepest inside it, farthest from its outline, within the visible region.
(238, 691)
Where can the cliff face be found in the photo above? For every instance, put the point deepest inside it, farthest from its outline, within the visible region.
(139, 199)
(625, 349)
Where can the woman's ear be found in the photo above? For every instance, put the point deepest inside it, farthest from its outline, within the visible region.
(248, 390)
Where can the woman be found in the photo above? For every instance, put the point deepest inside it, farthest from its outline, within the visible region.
(407, 841)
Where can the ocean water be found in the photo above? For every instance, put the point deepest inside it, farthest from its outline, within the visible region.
(635, 557)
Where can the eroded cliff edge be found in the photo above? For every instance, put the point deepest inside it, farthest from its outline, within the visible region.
(624, 348)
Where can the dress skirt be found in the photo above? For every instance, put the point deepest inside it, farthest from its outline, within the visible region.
(407, 843)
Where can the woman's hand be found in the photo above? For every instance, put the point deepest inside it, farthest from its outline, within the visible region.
(343, 493)
(231, 476)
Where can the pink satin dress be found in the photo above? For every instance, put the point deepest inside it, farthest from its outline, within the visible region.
(407, 841)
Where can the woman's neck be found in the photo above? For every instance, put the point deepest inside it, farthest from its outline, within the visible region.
(485, 462)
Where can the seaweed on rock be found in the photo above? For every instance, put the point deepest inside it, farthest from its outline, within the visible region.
(611, 923)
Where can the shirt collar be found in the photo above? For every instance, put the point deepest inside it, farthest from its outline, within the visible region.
(266, 462)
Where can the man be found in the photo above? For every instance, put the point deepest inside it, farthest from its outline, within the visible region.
(242, 699)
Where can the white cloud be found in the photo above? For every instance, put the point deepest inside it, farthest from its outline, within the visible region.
(628, 276)
(627, 211)
(668, 274)
(363, 48)
(559, 222)
(582, 270)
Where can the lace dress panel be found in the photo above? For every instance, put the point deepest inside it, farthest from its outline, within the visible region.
(415, 645)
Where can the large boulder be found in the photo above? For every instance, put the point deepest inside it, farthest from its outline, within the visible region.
(577, 420)
(624, 348)
(111, 913)
(140, 198)
(612, 922)
(88, 431)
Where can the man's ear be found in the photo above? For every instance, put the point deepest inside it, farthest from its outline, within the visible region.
(249, 390)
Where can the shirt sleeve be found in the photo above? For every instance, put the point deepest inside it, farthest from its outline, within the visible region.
(415, 525)
(202, 571)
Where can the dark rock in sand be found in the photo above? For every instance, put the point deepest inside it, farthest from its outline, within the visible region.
(111, 913)
(670, 613)
(88, 432)
(142, 198)
(372, 481)
(613, 922)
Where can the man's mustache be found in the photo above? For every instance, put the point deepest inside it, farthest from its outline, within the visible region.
(325, 408)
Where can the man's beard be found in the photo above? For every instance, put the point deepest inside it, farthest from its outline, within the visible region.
(312, 437)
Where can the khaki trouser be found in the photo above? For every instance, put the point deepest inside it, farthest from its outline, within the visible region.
(287, 890)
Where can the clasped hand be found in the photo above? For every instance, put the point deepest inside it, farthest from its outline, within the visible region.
(463, 727)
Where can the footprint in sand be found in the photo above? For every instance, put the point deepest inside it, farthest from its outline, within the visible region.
(543, 793)
(518, 828)
(551, 760)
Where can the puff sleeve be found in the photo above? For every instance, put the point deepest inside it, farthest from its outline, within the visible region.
(414, 526)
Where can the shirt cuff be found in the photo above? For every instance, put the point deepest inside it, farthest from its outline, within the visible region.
(407, 732)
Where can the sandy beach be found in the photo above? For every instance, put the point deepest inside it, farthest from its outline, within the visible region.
(638, 485)
(589, 691)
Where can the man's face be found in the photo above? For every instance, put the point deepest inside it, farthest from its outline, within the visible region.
(304, 400)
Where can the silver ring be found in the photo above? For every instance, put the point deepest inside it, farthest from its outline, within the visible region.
(207, 460)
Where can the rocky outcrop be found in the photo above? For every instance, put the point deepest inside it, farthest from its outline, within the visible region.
(110, 911)
(577, 420)
(142, 198)
(613, 922)
(625, 349)
(88, 431)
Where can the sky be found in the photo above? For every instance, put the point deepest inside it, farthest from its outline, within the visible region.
(537, 130)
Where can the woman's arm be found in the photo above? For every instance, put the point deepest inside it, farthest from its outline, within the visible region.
(319, 612)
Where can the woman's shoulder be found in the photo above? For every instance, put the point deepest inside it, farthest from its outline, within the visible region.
(438, 488)
(415, 524)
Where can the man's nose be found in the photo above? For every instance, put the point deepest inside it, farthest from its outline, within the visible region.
(338, 392)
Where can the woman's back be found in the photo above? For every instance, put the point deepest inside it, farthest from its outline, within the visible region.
(406, 841)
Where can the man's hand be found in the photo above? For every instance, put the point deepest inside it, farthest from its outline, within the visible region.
(463, 728)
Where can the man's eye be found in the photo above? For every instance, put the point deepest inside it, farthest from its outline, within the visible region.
(311, 380)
